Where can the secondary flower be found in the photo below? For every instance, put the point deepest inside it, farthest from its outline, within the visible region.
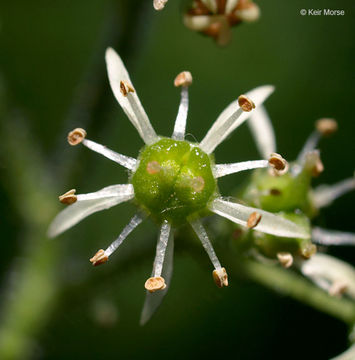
(216, 17)
(173, 180)
(292, 195)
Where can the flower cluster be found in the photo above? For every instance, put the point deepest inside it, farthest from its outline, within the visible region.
(215, 18)
(173, 180)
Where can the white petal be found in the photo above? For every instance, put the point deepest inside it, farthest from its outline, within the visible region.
(326, 270)
(88, 204)
(153, 300)
(123, 160)
(198, 23)
(232, 117)
(324, 195)
(230, 5)
(261, 128)
(202, 235)
(211, 5)
(220, 170)
(130, 103)
(180, 122)
(269, 223)
(134, 222)
(332, 237)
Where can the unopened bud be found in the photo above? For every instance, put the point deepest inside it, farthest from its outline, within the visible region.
(253, 220)
(326, 126)
(183, 79)
(245, 103)
(220, 277)
(99, 258)
(125, 88)
(68, 198)
(76, 136)
(154, 284)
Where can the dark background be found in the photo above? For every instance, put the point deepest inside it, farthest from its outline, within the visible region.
(52, 79)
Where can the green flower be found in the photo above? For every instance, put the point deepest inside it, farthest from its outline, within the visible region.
(174, 181)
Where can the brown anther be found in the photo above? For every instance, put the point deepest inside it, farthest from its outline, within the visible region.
(326, 126)
(198, 183)
(314, 163)
(285, 259)
(338, 288)
(159, 4)
(245, 103)
(277, 162)
(183, 79)
(308, 250)
(125, 88)
(76, 136)
(153, 167)
(154, 284)
(99, 258)
(275, 192)
(253, 220)
(68, 198)
(220, 277)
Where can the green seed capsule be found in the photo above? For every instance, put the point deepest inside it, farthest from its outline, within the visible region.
(174, 180)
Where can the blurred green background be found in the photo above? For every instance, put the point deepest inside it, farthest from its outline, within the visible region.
(52, 79)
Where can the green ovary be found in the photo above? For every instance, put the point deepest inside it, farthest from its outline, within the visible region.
(173, 180)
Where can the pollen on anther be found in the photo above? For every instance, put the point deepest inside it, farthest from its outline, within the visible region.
(279, 165)
(198, 184)
(125, 88)
(245, 103)
(99, 258)
(68, 198)
(153, 167)
(154, 284)
(76, 136)
(220, 277)
(183, 79)
(253, 220)
(285, 259)
(326, 126)
(308, 251)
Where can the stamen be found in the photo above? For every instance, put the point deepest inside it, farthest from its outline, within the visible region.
(88, 204)
(184, 79)
(279, 164)
(202, 235)
(308, 250)
(232, 117)
(153, 167)
(159, 4)
(249, 13)
(226, 169)
(332, 237)
(126, 161)
(309, 146)
(326, 126)
(313, 163)
(285, 259)
(161, 247)
(220, 277)
(338, 288)
(269, 223)
(324, 195)
(76, 136)
(99, 258)
(68, 198)
(125, 88)
(253, 220)
(135, 221)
